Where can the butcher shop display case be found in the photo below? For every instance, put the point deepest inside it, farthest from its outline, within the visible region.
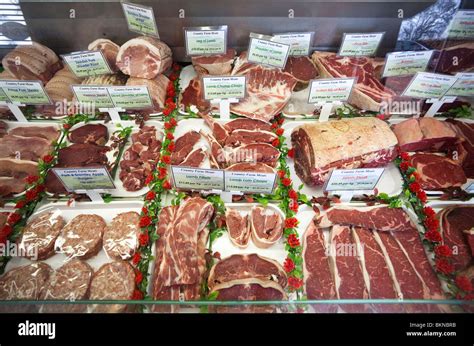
(286, 156)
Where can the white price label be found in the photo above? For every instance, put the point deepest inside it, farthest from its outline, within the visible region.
(362, 179)
(464, 86)
(205, 41)
(24, 92)
(140, 19)
(300, 42)
(89, 63)
(224, 87)
(250, 182)
(330, 90)
(75, 179)
(360, 44)
(268, 52)
(425, 85)
(188, 178)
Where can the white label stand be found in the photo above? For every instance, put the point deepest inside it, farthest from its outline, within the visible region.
(114, 113)
(437, 104)
(224, 107)
(15, 109)
(326, 110)
(94, 195)
(226, 196)
(346, 196)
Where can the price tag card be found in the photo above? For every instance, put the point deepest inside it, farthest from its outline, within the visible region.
(406, 63)
(464, 86)
(224, 87)
(266, 52)
(362, 179)
(89, 63)
(330, 90)
(462, 25)
(300, 42)
(140, 19)
(425, 85)
(95, 95)
(250, 182)
(206, 40)
(360, 44)
(75, 179)
(25, 92)
(188, 178)
(134, 97)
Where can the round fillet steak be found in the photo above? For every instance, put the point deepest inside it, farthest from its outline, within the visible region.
(266, 225)
(82, 236)
(121, 238)
(90, 133)
(70, 282)
(113, 281)
(24, 283)
(38, 237)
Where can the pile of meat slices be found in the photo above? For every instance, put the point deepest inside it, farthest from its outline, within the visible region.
(140, 158)
(87, 150)
(367, 253)
(180, 263)
(20, 150)
(443, 150)
(268, 89)
(239, 145)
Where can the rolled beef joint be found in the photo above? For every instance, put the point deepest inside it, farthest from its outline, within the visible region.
(343, 144)
(144, 57)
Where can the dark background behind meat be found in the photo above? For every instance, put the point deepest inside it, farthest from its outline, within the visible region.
(49, 22)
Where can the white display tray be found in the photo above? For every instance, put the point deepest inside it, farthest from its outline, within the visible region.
(119, 190)
(390, 182)
(224, 246)
(106, 211)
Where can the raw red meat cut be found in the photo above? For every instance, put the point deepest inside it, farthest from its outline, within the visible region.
(248, 266)
(13, 174)
(218, 155)
(455, 56)
(193, 96)
(247, 124)
(251, 167)
(49, 133)
(268, 91)
(32, 62)
(301, 68)
(24, 148)
(319, 281)
(217, 64)
(368, 93)
(343, 144)
(349, 278)
(380, 218)
(249, 289)
(411, 242)
(195, 158)
(183, 146)
(404, 275)
(255, 152)
(267, 226)
(465, 132)
(238, 227)
(144, 57)
(379, 282)
(423, 134)
(219, 131)
(140, 159)
(241, 137)
(179, 262)
(456, 223)
(109, 49)
(437, 172)
(90, 133)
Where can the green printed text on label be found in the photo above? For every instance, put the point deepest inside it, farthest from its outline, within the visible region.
(133, 97)
(87, 63)
(360, 44)
(426, 85)
(268, 52)
(25, 92)
(330, 90)
(140, 19)
(224, 87)
(406, 63)
(203, 42)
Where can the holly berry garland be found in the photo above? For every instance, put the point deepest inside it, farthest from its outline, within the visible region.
(459, 285)
(158, 183)
(289, 198)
